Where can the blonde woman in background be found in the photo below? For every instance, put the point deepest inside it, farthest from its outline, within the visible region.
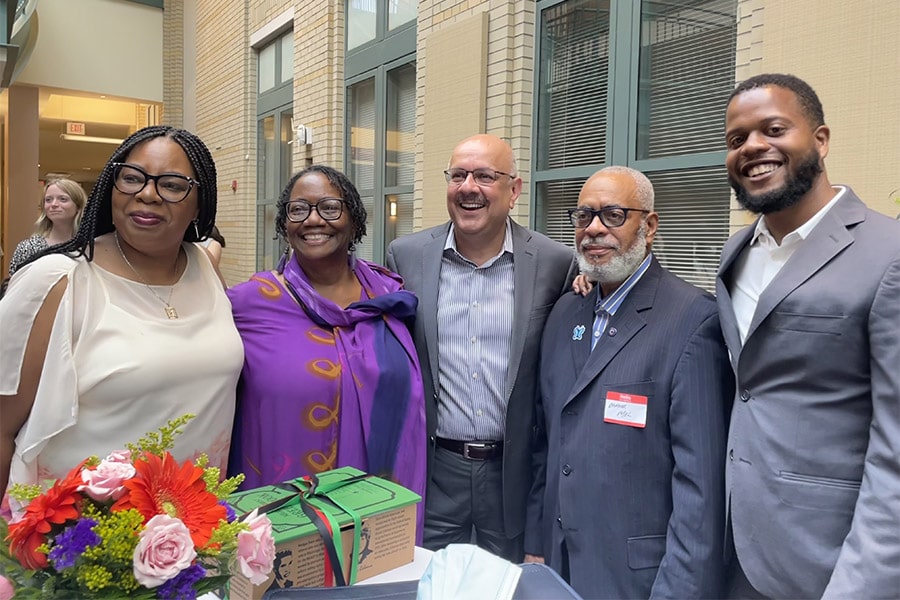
(60, 216)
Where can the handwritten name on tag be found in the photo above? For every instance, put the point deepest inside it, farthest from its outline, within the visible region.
(625, 409)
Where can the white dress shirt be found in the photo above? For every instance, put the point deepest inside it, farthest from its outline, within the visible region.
(761, 261)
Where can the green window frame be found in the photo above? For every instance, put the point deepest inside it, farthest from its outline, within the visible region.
(274, 136)
(379, 80)
(640, 83)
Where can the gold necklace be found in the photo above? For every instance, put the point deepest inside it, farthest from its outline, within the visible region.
(170, 310)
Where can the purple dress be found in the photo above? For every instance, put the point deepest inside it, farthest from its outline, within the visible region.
(324, 387)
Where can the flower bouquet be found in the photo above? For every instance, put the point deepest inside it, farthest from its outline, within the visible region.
(136, 523)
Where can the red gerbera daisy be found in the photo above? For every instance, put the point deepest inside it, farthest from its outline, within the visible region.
(54, 507)
(162, 486)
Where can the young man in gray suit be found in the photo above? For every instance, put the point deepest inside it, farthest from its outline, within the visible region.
(809, 299)
(628, 500)
(485, 287)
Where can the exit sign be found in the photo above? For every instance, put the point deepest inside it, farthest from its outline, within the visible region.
(75, 128)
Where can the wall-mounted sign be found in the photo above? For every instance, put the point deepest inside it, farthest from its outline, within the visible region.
(75, 128)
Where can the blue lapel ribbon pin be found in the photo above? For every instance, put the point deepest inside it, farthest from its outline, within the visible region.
(577, 333)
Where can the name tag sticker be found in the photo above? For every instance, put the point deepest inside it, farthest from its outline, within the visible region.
(625, 409)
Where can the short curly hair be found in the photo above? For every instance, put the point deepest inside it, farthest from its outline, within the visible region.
(806, 96)
(97, 215)
(349, 194)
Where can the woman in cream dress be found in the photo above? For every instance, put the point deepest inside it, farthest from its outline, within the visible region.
(127, 326)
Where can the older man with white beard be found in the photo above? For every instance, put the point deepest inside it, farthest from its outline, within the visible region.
(628, 498)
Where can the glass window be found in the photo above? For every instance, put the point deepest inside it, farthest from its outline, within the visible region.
(285, 150)
(556, 198)
(366, 247)
(400, 157)
(275, 63)
(398, 221)
(381, 115)
(668, 109)
(693, 223)
(274, 150)
(362, 134)
(266, 64)
(361, 24)
(267, 159)
(401, 12)
(686, 76)
(268, 248)
(287, 57)
(274, 157)
(573, 94)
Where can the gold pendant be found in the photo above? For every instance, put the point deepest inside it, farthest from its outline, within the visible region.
(171, 313)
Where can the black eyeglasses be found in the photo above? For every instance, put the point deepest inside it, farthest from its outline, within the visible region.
(330, 209)
(610, 216)
(173, 188)
(485, 177)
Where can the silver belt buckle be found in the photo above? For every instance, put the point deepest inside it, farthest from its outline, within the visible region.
(469, 445)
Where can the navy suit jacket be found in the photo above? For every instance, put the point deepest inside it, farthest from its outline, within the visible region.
(544, 270)
(641, 510)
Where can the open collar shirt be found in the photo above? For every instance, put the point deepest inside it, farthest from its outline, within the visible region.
(475, 319)
(761, 261)
(607, 307)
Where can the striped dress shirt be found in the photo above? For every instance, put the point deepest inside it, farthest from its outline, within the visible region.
(607, 307)
(474, 319)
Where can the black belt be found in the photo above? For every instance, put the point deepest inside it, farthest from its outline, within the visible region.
(472, 450)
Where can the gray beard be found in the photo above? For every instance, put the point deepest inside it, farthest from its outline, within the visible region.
(619, 267)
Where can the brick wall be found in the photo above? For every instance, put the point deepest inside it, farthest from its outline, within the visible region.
(505, 46)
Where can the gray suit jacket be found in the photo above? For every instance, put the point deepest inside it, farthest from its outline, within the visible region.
(641, 510)
(544, 270)
(813, 475)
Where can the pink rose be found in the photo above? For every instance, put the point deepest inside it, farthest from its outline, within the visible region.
(164, 550)
(105, 481)
(256, 548)
(119, 456)
(6, 588)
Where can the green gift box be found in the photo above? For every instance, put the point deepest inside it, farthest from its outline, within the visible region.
(369, 522)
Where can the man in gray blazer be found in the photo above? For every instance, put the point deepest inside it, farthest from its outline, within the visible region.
(485, 287)
(809, 299)
(628, 500)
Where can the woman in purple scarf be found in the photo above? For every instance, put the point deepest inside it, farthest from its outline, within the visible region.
(330, 375)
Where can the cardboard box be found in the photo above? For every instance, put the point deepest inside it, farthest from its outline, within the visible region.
(387, 532)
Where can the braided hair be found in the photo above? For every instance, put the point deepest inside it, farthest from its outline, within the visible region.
(97, 215)
(340, 182)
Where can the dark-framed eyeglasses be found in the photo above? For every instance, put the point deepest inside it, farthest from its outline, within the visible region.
(330, 209)
(483, 177)
(610, 216)
(171, 187)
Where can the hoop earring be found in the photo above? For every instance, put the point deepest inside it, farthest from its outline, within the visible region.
(196, 229)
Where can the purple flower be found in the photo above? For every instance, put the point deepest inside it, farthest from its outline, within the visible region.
(181, 587)
(230, 515)
(68, 545)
